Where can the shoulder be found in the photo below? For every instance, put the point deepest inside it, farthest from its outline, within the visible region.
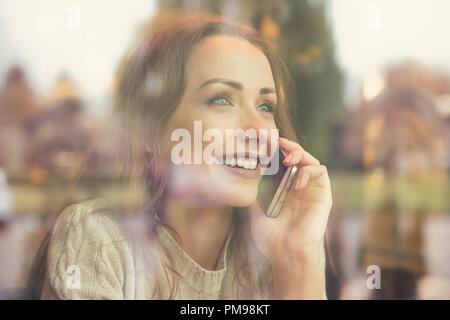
(92, 217)
(90, 223)
(86, 244)
(78, 212)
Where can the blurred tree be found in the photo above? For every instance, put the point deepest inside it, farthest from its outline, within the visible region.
(306, 40)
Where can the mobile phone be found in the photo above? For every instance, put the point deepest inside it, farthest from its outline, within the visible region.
(272, 189)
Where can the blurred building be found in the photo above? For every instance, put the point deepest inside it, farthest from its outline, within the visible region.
(58, 136)
(17, 106)
(399, 136)
(419, 93)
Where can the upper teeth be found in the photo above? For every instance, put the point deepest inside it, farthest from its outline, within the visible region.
(242, 162)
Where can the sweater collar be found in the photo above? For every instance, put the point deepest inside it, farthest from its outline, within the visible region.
(192, 272)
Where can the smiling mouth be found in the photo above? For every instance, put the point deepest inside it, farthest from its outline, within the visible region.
(244, 161)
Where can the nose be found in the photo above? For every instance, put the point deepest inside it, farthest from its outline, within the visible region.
(254, 120)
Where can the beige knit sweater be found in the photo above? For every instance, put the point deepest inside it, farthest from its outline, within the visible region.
(95, 255)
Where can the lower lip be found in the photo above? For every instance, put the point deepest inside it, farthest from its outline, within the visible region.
(244, 173)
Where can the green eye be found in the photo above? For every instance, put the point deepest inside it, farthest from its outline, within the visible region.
(268, 107)
(221, 99)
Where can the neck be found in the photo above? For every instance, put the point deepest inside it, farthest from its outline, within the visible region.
(203, 230)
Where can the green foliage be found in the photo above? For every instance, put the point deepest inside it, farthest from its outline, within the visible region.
(307, 43)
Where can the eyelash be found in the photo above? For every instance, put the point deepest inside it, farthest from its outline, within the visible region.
(227, 96)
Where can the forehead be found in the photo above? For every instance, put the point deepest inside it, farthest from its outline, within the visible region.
(224, 56)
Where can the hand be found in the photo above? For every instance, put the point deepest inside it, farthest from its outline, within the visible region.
(298, 231)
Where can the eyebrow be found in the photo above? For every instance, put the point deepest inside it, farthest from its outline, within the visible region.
(235, 85)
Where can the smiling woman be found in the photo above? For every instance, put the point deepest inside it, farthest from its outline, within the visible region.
(198, 233)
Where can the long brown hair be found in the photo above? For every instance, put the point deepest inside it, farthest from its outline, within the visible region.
(150, 87)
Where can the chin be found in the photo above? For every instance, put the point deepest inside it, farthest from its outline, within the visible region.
(241, 197)
(234, 191)
(211, 184)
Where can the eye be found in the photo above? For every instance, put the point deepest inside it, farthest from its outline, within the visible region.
(267, 107)
(221, 99)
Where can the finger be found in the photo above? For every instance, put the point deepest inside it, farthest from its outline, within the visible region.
(310, 173)
(293, 157)
(296, 155)
(289, 145)
(317, 191)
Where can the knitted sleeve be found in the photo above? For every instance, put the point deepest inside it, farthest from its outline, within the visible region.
(86, 257)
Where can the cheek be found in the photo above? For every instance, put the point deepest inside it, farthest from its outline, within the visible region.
(192, 125)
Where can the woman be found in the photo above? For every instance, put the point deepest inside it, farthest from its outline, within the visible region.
(200, 234)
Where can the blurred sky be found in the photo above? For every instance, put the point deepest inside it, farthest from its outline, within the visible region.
(372, 33)
(44, 36)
